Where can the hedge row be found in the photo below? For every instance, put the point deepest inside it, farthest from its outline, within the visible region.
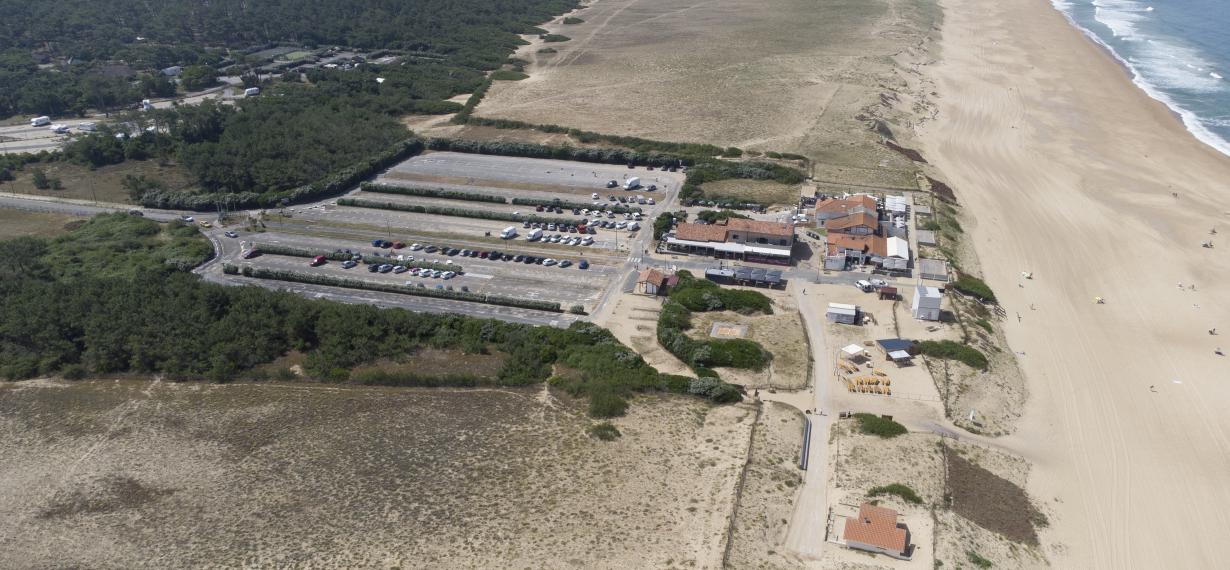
(617, 208)
(464, 114)
(690, 150)
(457, 212)
(294, 277)
(406, 378)
(336, 183)
(273, 249)
(530, 150)
(432, 193)
(675, 319)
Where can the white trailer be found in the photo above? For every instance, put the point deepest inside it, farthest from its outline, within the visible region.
(87, 127)
(40, 121)
(252, 92)
(509, 233)
(632, 183)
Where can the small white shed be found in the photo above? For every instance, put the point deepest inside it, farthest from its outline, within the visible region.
(842, 313)
(926, 304)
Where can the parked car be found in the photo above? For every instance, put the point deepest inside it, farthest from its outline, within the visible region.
(519, 258)
(373, 268)
(539, 209)
(583, 264)
(205, 224)
(231, 234)
(612, 184)
(399, 269)
(431, 249)
(398, 245)
(137, 213)
(415, 247)
(652, 188)
(349, 263)
(317, 261)
(548, 262)
(186, 218)
(564, 263)
(448, 275)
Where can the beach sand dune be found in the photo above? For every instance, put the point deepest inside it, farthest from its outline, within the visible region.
(1071, 173)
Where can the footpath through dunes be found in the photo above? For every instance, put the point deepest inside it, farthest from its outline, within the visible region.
(774, 75)
(1077, 176)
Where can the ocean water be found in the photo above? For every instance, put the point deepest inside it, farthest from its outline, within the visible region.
(1178, 52)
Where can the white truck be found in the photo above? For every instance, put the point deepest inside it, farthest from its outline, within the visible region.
(40, 121)
(534, 234)
(633, 226)
(509, 233)
(87, 127)
(632, 183)
(252, 92)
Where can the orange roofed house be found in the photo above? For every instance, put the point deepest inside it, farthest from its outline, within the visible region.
(736, 238)
(841, 207)
(876, 530)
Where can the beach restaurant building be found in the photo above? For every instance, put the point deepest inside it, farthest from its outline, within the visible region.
(736, 238)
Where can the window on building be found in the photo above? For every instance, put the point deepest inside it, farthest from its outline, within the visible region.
(762, 240)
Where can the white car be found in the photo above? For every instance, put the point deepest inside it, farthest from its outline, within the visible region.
(548, 262)
(448, 275)
(416, 246)
(587, 241)
(594, 196)
(621, 225)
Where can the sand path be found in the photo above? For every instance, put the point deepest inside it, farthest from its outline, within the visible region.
(1069, 171)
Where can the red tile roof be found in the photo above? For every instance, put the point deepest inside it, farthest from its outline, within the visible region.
(853, 221)
(844, 205)
(876, 526)
(872, 244)
(758, 227)
(652, 275)
(700, 232)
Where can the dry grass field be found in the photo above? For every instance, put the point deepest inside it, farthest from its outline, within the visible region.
(763, 191)
(18, 223)
(769, 491)
(785, 75)
(103, 184)
(781, 334)
(121, 474)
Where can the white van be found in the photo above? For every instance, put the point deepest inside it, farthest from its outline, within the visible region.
(40, 121)
(632, 183)
(509, 232)
(534, 234)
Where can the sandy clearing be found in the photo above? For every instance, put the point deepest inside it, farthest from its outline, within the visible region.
(1069, 170)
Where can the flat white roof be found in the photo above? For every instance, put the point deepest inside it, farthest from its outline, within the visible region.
(843, 311)
(898, 247)
(842, 306)
(853, 349)
(899, 355)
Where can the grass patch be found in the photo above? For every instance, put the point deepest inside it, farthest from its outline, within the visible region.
(878, 426)
(548, 50)
(744, 190)
(897, 489)
(951, 350)
(985, 324)
(604, 431)
(572, 20)
(554, 38)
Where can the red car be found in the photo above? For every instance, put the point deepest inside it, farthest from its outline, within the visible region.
(398, 245)
(318, 260)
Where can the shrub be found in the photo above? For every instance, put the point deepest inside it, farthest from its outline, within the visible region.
(73, 372)
(604, 431)
(875, 425)
(577, 309)
(573, 20)
(39, 177)
(977, 560)
(974, 287)
(508, 75)
(605, 403)
(985, 324)
(548, 50)
(932, 225)
(898, 489)
(553, 38)
(951, 350)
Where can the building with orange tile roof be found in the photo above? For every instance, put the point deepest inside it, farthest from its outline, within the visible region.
(841, 207)
(735, 238)
(876, 530)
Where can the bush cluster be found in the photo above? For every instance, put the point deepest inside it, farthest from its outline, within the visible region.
(951, 350)
(432, 193)
(605, 431)
(580, 154)
(878, 426)
(903, 491)
(974, 287)
(702, 355)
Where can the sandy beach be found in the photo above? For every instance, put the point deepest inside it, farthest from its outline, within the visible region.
(1072, 173)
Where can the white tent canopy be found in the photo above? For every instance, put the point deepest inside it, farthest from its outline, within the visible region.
(852, 351)
(899, 355)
